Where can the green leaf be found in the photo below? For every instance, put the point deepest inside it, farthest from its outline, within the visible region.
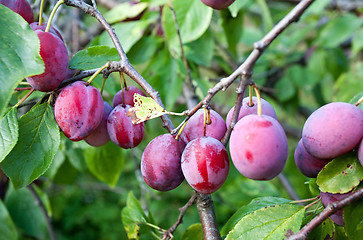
(8, 133)
(254, 205)
(325, 230)
(193, 232)
(340, 175)
(356, 98)
(239, 5)
(353, 220)
(143, 50)
(37, 145)
(7, 227)
(105, 162)
(93, 57)
(357, 43)
(233, 29)
(274, 222)
(201, 50)
(124, 10)
(19, 53)
(132, 215)
(193, 19)
(285, 89)
(313, 187)
(26, 213)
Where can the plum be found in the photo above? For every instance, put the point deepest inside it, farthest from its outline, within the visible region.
(161, 163)
(55, 56)
(99, 136)
(194, 127)
(205, 164)
(35, 26)
(360, 152)
(258, 147)
(21, 7)
(128, 96)
(332, 130)
(327, 198)
(266, 109)
(218, 4)
(78, 110)
(308, 165)
(121, 130)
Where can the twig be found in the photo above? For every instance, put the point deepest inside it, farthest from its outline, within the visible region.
(39, 202)
(287, 185)
(328, 211)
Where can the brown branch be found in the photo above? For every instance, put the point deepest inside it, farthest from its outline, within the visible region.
(328, 211)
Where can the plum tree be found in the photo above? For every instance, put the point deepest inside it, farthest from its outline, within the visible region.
(55, 56)
(99, 136)
(205, 164)
(327, 198)
(308, 165)
(121, 130)
(194, 127)
(128, 96)
(161, 163)
(258, 147)
(21, 7)
(246, 109)
(332, 130)
(218, 4)
(78, 110)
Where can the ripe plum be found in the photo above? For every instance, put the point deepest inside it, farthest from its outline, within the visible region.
(258, 147)
(161, 163)
(128, 96)
(327, 198)
(218, 4)
(78, 110)
(21, 7)
(332, 130)
(35, 26)
(205, 164)
(121, 130)
(194, 127)
(99, 136)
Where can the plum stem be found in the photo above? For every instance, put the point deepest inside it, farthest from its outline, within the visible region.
(259, 107)
(250, 104)
(41, 12)
(359, 101)
(60, 2)
(103, 85)
(123, 89)
(181, 129)
(97, 72)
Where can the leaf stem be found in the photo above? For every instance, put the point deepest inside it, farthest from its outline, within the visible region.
(24, 98)
(60, 2)
(97, 72)
(306, 200)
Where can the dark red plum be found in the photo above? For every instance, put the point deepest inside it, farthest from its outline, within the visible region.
(266, 109)
(78, 110)
(21, 7)
(194, 127)
(99, 136)
(205, 164)
(308, 165)
(121, 130)
(258, 147)
(35, 26)
(332, 130)
(161, 163)
(327, 198)
(128, 96)
(218, 4)
(55, 56)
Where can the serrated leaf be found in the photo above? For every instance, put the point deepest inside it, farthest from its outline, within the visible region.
(353, 220)
(274, 222)
(125, 10)
(325, 231)
(7, 227)
(37, 144)
(105, 162)
(193, 232)
(340, 175)
(254, 205)
(19, 53)
(93, 57)
(8, 133)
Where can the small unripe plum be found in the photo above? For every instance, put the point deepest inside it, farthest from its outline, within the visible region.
(55, 56)
(308, 165)
(161, 163)
(121, 130)
(205, 164)
(128, 96)
(194, 127)
(258, 147)
(99, 136)
(218, 4)
(360, 152)
(35, 26)
(246, 109)
(78, 110)
(21, 7)
(327, 198)
(332, 130)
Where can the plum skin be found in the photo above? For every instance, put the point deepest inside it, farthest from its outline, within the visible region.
(99, 136)
(35, 26)
(128, 96)
(258, 147)
(161, 163)
(360, 152)
(205, 164)
(218, 4)
(194, 127)
(307, 164)
(121, 129)
(266, 109)
(55, 56)
(78, 110)
(21, 7)
(332, 130)
(327, 198)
